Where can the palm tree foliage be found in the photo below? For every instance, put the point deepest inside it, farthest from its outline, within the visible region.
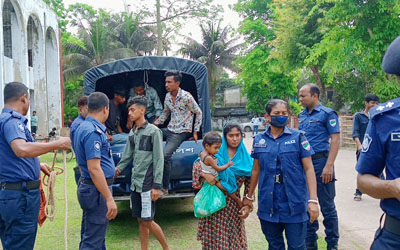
(102, 38)
(129, 34)
(216, 51)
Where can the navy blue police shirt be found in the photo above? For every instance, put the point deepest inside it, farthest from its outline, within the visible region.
(91, 143)
(318, 126)
(287, 202)
(13, 126)
(381, 148)
(74, 126)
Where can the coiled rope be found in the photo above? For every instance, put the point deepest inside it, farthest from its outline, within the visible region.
(50, 207)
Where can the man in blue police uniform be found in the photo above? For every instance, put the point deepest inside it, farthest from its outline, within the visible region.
(321, 124)
(20, 170)
(93, 154)
(380, 150)
(83, 111)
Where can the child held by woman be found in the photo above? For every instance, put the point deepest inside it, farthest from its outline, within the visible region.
(212, 142)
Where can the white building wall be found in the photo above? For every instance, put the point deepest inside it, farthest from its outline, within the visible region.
(43, 78)
(233, 97)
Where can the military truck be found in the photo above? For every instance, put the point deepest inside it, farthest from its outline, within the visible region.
(151, 70)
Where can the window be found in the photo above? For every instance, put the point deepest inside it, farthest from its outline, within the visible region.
(31, 36)
(8, 11)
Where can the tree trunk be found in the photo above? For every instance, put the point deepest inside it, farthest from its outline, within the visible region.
(323, 95)
(159, 29)
(211, 88)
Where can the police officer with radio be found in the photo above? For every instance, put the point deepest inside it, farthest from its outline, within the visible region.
(20, 170)
(93, 154)
(321, 124)
(380, 150)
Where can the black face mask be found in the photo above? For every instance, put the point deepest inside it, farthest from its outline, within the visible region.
(279, 121)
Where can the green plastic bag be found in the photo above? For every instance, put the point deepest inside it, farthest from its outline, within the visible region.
(208, 200)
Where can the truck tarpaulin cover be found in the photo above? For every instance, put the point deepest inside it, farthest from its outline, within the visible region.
(196, 70)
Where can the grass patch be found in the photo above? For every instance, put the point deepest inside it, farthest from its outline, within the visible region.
(174, 216)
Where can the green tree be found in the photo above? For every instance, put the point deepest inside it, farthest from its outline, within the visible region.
(131, 37)
(216, 51)
(58, 7)
(96, 46)
(169, 15)
(357, 35)
(73, 90)
(261, 76)
(297, 28)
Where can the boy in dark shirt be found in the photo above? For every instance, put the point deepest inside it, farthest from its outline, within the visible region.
(360, 123)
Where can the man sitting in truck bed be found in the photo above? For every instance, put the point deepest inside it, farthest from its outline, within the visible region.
(154, 107)
(182, 107)
(114, 131)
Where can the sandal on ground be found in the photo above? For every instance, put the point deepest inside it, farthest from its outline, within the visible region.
(357, 197)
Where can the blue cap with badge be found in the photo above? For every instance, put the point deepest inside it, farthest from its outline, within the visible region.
(391, 60)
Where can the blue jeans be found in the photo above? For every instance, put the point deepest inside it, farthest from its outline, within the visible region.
(295, 235)
(94, 220)
(19, 212)
(172, 142)
(255, 129)
(358, 192)
(119, 138)
(326, 197)
(385, 240)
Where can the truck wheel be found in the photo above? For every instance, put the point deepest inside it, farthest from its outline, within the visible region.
(247, 129)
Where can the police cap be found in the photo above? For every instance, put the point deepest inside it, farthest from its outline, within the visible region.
(391, 60)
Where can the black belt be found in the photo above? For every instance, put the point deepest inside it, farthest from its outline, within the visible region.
(392, 225)
(24, 185)
(109, 181)
(278, 178)
(320, 155)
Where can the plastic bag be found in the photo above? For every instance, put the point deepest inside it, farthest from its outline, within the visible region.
(208, 200)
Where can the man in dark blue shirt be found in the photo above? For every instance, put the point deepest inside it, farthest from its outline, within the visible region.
(381, 150)
(321, 124)
(360, 123)
(82, 110)
(93, 154)
(20, 170)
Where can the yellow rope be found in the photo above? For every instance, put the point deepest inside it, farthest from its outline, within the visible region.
(50, 182)
(50, 208)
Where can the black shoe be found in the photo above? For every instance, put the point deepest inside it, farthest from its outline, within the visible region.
(332, 247)
(312, 245)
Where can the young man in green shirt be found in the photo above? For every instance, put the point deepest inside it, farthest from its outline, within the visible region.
(145, 148)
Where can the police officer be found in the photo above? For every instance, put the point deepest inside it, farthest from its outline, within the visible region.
(380, 149)
(321, 124)
(93, 154)
(20, 170)
(82, 110)
(285, 174)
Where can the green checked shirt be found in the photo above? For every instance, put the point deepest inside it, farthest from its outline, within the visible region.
(144, 147)
(154, 106)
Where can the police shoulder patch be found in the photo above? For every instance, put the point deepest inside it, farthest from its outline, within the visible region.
(97, 145)
(332, 122)
(306, 145)
(366, 143)
(20, 126)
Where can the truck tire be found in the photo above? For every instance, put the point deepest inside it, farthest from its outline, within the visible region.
(247, 129)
